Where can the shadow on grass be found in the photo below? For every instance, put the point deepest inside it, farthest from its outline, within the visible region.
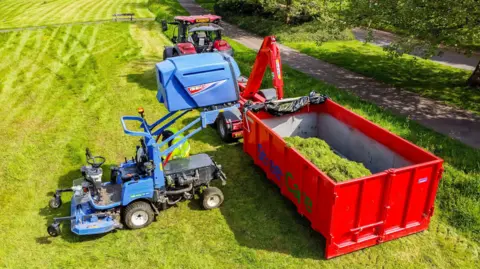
(48, 213)
(145, 79)
(135, 5)
(258, 215)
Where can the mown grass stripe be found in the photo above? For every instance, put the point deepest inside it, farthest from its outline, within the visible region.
(85, 10)
(91, 45)
(17, 14)
(40, 58)
(101, 11)
(46, 17)
(74, 45)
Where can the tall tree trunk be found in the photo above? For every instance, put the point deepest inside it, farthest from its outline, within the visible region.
(289, 6)
(474, 80)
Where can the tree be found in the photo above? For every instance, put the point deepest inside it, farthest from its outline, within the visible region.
(426, 23)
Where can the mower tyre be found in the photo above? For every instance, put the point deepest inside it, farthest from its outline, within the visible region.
(55, 202)
(222, 129)
(54, 229)
(138, 215)
(212, 198)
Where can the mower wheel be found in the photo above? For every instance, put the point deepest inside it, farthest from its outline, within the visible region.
(138, 215)
(222, 130)
(55, 202)
(212, 198)
(54, 229)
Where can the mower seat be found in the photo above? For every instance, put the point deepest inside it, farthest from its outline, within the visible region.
(188, 164)
(128, 173)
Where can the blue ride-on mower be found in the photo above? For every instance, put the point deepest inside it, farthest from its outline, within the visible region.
(141, 187)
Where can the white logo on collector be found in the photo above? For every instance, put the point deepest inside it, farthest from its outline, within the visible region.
(202, 87)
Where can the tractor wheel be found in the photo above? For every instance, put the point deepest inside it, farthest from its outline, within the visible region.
(54, 229)
(222, 130)
(138, 215)
(212, 198)
(55, 203)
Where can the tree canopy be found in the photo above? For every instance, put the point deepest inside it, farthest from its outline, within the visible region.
(424, 23)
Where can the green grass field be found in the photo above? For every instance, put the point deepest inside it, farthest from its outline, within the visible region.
(65, 88)
(24, 13)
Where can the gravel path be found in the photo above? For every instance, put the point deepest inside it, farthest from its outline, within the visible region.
(446, 57)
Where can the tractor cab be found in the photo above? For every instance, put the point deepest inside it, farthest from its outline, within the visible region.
(196, 34)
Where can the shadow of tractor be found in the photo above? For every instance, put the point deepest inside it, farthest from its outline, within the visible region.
(258, 215)
(49, 214)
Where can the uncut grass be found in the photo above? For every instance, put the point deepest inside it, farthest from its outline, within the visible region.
(24, 13)
(321, 155)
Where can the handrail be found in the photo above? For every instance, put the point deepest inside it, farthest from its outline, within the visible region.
(135, 133)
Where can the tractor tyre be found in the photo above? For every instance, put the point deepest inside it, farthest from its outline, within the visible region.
(54, 229)
(212, 198)
(55, 203)
(222, 130)
(138, 215)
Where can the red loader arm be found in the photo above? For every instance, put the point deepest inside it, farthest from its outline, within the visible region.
(269, 54)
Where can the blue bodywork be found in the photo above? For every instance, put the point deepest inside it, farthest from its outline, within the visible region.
(197, 80)
(175, 76)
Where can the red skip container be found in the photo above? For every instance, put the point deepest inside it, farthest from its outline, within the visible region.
(395, 201)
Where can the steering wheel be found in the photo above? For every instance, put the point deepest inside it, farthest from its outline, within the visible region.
(94, 161)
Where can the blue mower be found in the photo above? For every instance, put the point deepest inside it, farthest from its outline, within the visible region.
(143, 186)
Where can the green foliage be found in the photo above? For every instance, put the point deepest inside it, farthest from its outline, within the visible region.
(319, 153)
(289, 11)
(450, 23)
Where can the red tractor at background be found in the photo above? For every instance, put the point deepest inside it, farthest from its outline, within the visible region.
(196, 34)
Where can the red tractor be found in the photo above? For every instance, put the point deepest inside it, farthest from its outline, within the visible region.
(196, 34)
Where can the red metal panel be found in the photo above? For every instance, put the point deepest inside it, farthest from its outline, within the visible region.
(358, 213)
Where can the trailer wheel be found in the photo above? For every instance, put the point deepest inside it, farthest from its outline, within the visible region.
(222, 130)
(138, 215)
(55, 202)
(54, 229)
(212, 198)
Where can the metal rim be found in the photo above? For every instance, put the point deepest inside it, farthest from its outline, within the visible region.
(213, 201)
(139, 218)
